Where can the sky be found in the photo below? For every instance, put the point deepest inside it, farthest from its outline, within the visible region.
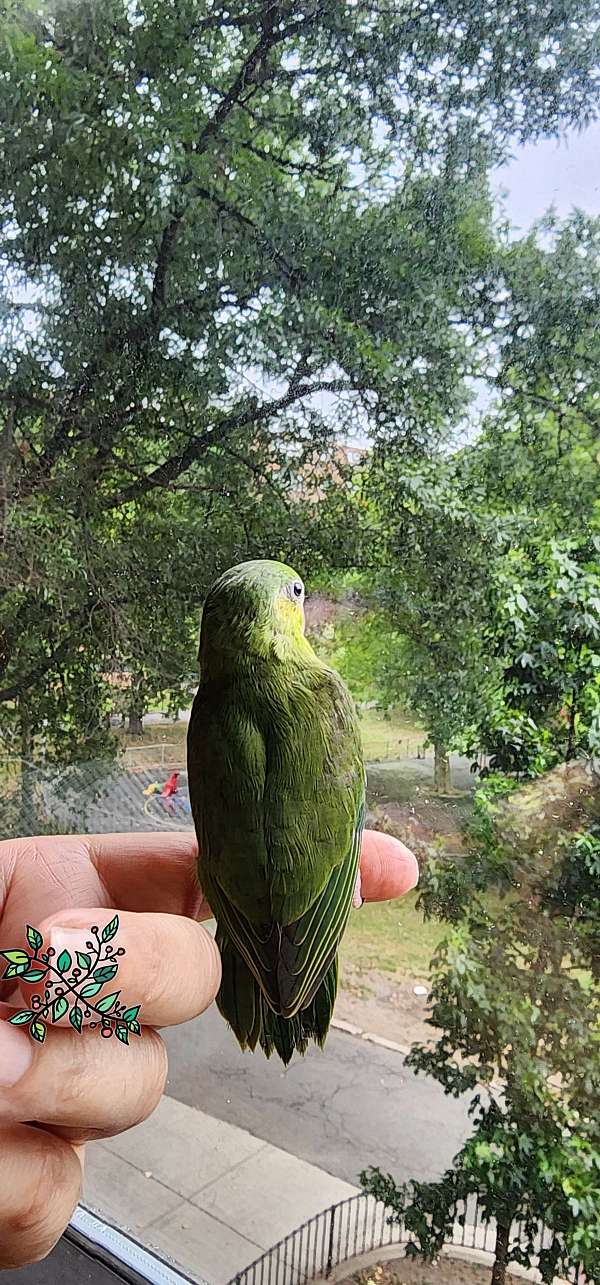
(563, 173)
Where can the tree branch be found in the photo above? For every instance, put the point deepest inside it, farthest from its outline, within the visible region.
(292, 273)
(271, 35)
(297, 168)
(259, 473)
(173, 467)
(140, 332)
(165, 255)
(218, 21)
(18, 396)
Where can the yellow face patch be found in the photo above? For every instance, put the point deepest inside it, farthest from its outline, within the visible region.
(290, 616)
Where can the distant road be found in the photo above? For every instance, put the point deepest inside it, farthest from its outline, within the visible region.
(352, 1105)
(157, 717)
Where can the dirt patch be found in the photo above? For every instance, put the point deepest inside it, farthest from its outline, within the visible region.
(408, 1271)
(384, 1005)
(428, 828)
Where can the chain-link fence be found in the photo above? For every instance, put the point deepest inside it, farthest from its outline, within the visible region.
(126, 794)
(93, 797)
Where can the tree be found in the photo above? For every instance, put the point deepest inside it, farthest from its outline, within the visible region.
(491, 550)
(441, 555)
(200, 238)
(536, 466)
(125, 589)
(526, 1048)
(548, 642)
(547, 368)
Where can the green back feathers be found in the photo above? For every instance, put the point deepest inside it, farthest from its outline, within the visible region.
(277, 789)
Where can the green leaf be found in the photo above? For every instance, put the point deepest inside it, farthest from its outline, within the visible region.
(84, 961)
(122, 1034)
(15, 956)
(105, 974)
(16, 970)
(135, 1028)
(38, 1030)
(59, 1008)
(64, 962)
(111, 929)
(35, 939)
(76, 1018)
(105, 1005)
(131, 1013)
(91, 989)
(21, 1019)
(34, 975)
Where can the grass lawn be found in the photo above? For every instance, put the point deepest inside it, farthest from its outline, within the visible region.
(389, 737)
(383, 738)
(392, 937)
(171, 735)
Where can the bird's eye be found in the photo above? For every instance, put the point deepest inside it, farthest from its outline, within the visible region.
(298, 588)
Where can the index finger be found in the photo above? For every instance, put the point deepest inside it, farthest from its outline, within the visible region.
(147, 872)
(170, 967)
(150, 871)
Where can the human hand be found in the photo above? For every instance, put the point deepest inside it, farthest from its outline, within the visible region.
(56, 1096)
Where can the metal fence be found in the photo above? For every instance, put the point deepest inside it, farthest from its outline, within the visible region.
(362, 1224)
(164, 753)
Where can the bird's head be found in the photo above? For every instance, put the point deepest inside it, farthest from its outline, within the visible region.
(254, 609)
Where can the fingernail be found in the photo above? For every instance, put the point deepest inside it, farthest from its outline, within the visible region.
(69, 939)
(357, 897)
(16, 1054)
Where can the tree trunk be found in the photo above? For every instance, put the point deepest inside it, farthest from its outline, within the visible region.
(571, 736)
(573, 711)
(27, 809)
(136, 708)
(6, 446)
(501, 1259)
(135, 726)
(441, 769)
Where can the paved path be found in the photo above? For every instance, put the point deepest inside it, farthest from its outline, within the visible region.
(203, 1194)
(156, 716)
(212, 1196)
(352, 1105)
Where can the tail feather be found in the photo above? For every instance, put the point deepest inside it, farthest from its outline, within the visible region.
(244, 1007)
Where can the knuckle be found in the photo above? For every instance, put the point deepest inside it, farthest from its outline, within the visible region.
(157, 979)
(159, 1067)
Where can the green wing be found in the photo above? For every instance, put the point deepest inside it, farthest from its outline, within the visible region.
(279, 811)
(309, 945)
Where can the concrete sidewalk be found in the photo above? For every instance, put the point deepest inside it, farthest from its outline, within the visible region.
(204, 1194)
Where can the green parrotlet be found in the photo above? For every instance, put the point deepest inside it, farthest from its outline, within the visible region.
(277, 788)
